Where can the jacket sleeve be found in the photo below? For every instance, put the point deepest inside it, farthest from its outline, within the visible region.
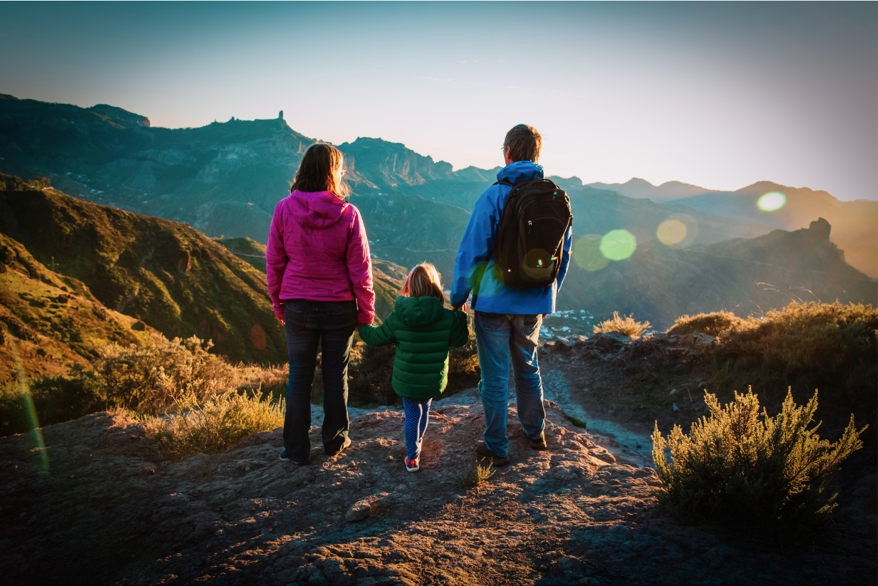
(359, 263)
(565, 261)
(276, 260)
(380, 335)
(459, 330)
(478, 241)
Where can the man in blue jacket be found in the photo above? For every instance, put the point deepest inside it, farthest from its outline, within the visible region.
(507, 321)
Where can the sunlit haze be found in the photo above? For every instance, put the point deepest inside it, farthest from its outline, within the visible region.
(719, 95)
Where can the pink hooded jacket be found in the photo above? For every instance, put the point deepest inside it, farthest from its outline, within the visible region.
(317, 250)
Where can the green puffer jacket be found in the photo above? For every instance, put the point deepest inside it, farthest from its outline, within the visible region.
(424, 331)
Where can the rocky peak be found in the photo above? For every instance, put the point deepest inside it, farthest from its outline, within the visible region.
(820, 229)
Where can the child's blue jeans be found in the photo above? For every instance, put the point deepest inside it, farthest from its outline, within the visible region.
(417, 413)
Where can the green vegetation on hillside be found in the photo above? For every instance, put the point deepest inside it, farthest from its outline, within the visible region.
(50, 322)
(164, 273)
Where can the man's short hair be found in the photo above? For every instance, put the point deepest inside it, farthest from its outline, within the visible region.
(524, 143)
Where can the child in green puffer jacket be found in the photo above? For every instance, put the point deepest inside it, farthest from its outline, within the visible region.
(424, 330)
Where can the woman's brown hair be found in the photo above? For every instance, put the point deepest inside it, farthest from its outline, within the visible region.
(319, 169)
(423, 281)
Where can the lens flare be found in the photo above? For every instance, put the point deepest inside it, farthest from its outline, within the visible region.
(587, 253)
(671, 232)
(771, 201)
(618, 244)
(30, 410)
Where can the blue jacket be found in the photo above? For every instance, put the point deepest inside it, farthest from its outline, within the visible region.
(479, 239)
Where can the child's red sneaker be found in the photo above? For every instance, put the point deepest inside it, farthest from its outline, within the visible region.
(412, 465)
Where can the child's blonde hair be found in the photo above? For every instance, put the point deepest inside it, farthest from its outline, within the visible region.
(423, 280)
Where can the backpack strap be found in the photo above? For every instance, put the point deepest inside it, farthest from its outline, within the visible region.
(481, 271)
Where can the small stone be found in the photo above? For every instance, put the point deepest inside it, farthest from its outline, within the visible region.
(358, 511)
(673, 392)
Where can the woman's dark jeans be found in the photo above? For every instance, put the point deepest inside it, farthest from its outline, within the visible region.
(307, 324)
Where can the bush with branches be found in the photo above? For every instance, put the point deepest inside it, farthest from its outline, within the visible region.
(155, 375)
(740, 467)
(626, 326)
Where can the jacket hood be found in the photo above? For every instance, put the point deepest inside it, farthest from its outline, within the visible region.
(317, 210)
(418, 311)
(520, 171)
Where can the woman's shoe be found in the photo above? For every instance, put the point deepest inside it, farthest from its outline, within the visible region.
(345, 445)
(284, 457)
(412, 465)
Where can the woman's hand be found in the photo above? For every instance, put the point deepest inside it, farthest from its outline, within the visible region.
(280, 319)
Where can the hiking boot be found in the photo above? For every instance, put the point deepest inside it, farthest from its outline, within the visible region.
(284, 457)
(483, 452)
(537, 442)
(412, 465)
(345, 445)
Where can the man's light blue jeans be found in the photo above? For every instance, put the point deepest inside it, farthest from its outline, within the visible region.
(501, 338)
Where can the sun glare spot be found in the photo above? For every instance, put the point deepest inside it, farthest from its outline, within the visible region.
(771, 201)
(671, 232)
(587, 253)
(618, 244)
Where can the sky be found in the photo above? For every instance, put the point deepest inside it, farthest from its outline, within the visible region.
(720, 95)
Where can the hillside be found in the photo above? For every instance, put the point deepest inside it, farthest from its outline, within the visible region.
(164, 273)
(50, 322)
(660, 283)
(855, 223)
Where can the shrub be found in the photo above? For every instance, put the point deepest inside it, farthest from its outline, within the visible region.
(53, 399)
(213, 426)
(712, 324)
(154, 376)
(623, 325)
(739, 467)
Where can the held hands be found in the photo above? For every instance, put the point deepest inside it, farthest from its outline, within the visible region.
(461, 307)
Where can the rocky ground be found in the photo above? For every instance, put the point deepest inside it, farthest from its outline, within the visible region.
(94, 511)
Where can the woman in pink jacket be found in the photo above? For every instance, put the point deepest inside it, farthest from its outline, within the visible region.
(320, 281)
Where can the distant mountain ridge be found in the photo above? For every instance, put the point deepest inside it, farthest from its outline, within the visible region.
(226, 178)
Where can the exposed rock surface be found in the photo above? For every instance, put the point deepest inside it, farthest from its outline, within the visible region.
(572, 514)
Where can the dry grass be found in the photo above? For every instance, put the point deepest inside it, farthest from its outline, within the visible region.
(713, 324)
(210, 427)
(475, 473)
(626, 326)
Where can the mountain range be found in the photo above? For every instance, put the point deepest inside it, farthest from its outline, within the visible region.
(855, 223)
(225, 179)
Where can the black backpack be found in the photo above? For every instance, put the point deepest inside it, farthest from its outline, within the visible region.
(530, 238)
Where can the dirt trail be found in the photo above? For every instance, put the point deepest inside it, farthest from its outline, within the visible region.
(572, 514)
